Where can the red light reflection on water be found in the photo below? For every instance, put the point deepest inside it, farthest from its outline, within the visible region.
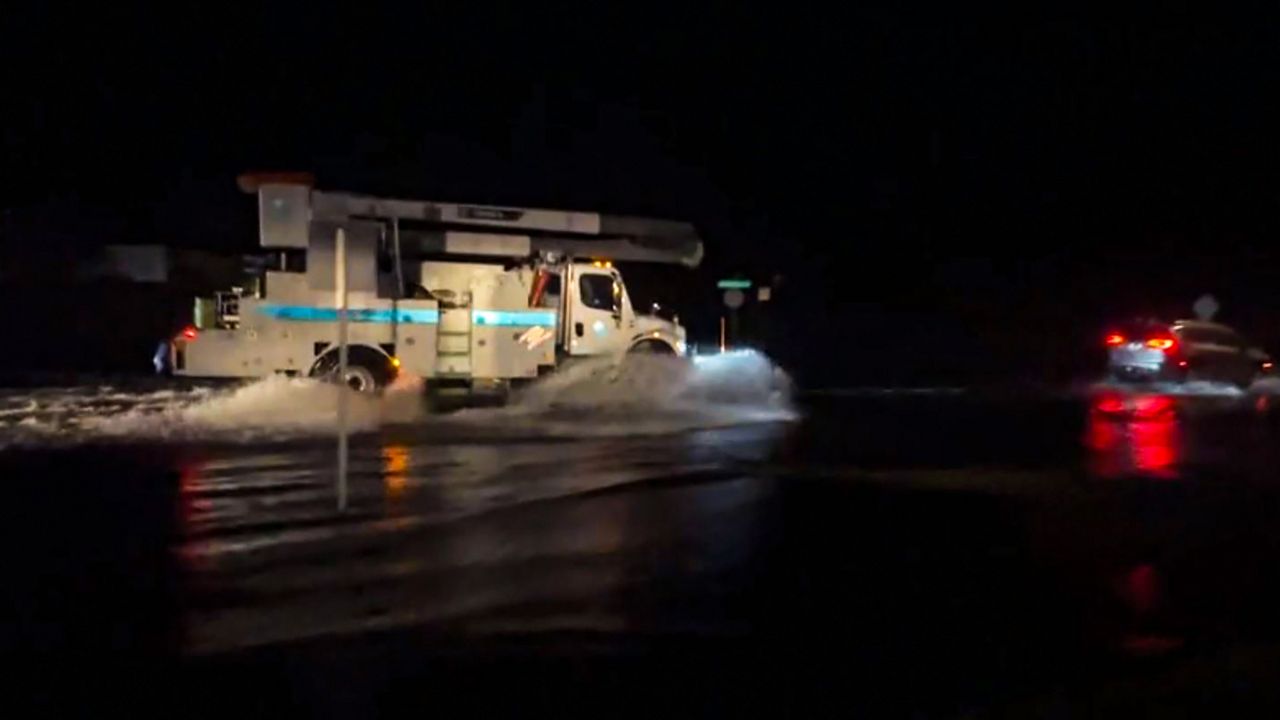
(191, 508)
(1142, 591)
(1134, 435)
(1155, 446)
(1142, 588)
(190, 472)
(1109, 404)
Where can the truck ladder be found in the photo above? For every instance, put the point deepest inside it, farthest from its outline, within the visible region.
(453, 339)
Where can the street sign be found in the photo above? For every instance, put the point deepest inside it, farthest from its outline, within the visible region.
(733, 299)
(733, 284)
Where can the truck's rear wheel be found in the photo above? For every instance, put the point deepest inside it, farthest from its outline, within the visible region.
(367, 369)
(360, 379)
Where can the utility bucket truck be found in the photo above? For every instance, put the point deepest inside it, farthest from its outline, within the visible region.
(471, 298)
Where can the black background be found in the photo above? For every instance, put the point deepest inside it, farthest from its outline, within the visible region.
(949, 195)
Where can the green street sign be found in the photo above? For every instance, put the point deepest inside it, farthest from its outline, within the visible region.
(733, 284)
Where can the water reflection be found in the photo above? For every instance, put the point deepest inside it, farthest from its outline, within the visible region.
(1150, 628)
(1141, 588)
(395, 467)
(190, 474)
(1134, 435)
(600, 534)
(192, 471)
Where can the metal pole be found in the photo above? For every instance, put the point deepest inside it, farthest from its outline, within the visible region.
(340, 283)
(721, 333)
(566, 307)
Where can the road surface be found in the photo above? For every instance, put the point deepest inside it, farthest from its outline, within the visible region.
(939, 552)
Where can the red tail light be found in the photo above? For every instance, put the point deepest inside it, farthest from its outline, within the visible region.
(189, 332)
(1163, 343)
(1115, 339)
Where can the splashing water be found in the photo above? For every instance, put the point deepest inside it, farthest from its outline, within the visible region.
(641, 394)
(273, 406)
(658, 382)
(652, 394)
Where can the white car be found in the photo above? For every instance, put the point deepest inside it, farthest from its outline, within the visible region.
(1183, 350)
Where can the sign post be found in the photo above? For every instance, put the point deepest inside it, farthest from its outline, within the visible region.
(733, 299)
(340, 288)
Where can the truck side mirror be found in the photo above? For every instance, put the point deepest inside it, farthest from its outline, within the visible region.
(617, 299)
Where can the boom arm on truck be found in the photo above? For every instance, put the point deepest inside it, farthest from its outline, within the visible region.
(425, 228)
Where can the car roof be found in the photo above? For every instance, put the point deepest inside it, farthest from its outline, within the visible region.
(1202, 325)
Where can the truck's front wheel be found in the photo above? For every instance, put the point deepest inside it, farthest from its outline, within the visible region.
(652, 347)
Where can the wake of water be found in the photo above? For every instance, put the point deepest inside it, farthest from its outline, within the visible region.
(642, 394)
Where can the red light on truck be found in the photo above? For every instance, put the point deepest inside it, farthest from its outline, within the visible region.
(189, 332)
(1115, 339)
(1160, 343)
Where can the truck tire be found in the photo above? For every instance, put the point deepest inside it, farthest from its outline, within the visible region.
(368, 370)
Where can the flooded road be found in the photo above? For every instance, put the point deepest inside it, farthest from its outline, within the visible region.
(939, 553)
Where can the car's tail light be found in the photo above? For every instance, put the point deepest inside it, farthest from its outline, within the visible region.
(189, 332)
(1160, 343)
(1115, 339)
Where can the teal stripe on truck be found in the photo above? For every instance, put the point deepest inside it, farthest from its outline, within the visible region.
(309, 313)
(517, 318)
(483, 318)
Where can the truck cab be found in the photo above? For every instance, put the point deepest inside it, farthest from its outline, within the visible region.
(600, 319)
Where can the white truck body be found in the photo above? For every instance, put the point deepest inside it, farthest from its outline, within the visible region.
(428, 295)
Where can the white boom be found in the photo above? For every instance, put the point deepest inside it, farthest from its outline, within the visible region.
(289, 213)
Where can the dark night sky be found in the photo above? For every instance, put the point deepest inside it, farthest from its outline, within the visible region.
(990, 188)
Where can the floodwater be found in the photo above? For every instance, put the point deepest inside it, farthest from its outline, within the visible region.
(695, 539)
